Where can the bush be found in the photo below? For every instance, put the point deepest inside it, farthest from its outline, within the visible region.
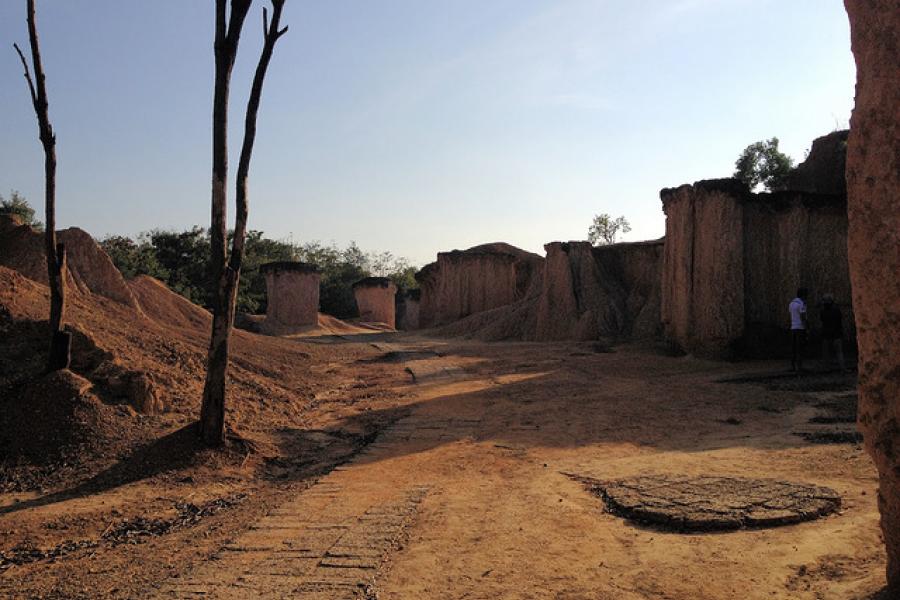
(18, 206)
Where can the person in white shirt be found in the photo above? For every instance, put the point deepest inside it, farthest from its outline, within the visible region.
(797, 310)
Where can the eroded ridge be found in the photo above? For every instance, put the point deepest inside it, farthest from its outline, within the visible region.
(691, 503)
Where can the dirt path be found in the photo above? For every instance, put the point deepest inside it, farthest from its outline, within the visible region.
(471, 495)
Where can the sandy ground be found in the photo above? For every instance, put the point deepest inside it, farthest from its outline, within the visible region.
(451, 478)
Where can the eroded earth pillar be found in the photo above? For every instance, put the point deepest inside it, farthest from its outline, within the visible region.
(873, 185)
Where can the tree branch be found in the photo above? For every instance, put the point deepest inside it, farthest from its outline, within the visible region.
(27, 75)
(271, 36)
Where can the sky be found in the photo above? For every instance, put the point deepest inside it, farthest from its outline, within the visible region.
(419, 126)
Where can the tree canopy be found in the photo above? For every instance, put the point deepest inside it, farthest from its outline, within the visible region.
(181, 260)
(762, 164)
(604, 229)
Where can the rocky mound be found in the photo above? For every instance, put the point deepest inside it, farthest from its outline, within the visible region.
(91, 271)
(162, 305)
(515, 321)
(59, 415)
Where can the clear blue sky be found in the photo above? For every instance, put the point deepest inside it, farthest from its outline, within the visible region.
(417, 126)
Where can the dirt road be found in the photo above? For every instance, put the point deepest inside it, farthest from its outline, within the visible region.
(470, 495)
(467, 490)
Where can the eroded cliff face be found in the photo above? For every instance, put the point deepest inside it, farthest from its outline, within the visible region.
(823, 171)
(90, 270)
(465, 282)
(577, 302)
(733, 261)
(702, 303)
(873, 185)
(407, 309)
(590, 292)
(792, 239)
(578, 292)
(376, 300)
(292, 297)
(637, 266)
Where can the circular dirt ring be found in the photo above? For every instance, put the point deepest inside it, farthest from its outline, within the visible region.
(715, 503)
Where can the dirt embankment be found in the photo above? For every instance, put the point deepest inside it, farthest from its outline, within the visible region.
(873, 180)
(138, 361)
(105, 488)
(733, 260)
(90, 269)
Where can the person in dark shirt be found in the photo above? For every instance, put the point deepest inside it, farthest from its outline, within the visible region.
(832, 332)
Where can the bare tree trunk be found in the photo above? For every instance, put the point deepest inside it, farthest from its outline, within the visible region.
(60, 341)
(227, 276)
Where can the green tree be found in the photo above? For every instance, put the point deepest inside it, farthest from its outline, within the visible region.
(604, 229)
(186, 256)
(17, 205)
(763, 164)
(134, 258)
(404, 277)
(258, 250)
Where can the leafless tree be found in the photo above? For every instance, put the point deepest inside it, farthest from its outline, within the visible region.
(227, 267)
(60, 340)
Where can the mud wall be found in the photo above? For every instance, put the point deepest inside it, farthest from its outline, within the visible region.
(873, 185)
(407, 309)
(792, 239)
(591, 292)
(465, 282)
(823, 171)
(702, 295)
(637, 266)
(375, 299)
(90, 270)
(733, 260)
(292, 297)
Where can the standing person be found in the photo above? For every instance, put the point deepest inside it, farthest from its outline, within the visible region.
(832, 332)
(797, 309)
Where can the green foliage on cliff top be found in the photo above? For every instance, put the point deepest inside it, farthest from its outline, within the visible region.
(604, 229)
(17, 205)
(762, 164)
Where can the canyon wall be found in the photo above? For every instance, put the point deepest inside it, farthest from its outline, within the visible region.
(578, 292)
(407, 309)
(591, 292)
(375, 299)
(637, 266)
(823, 171)
(873, 185)
(733, 260)
(465, 282)
(702, 295)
